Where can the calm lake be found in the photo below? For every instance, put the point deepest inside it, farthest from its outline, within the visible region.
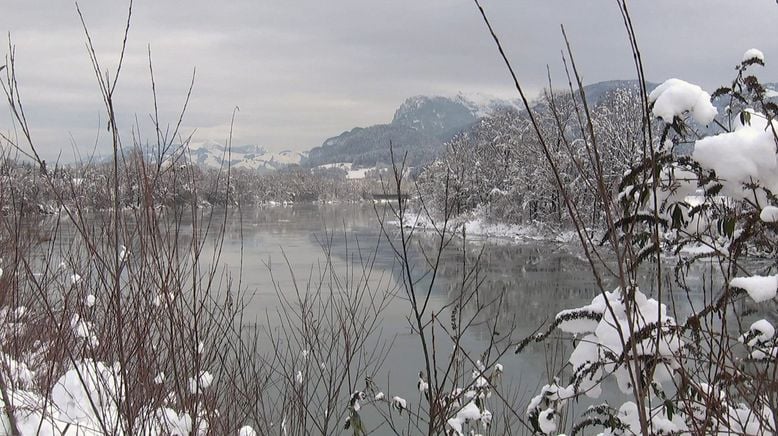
(536, 279)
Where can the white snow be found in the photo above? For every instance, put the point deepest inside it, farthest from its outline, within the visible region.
(101, 385)
(19, 373)
(358, 174)
(765, 329)
(675, 97)
(759, 333)
(753, 53)
(581, 320)
(769, 214)
(547, 421)
(399, 403)
(423, 386)
(83, 330)
(247, 430)
(746, 155)
(85, 400)
(351, 174)
(90, 300)
(466, 414)
(202, 381)
(759, 288)
(340, 165)
(214, 155)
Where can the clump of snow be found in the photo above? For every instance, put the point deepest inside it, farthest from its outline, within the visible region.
(746, 155)
(202, 381)
(399, 403)
(247, 430)
(606, 326)
(759, 333)
(19, 372)
(159, 379)
(658, 421)
(753, 53)
(175, 423)
(299, 377)
(675, 97)
(544, 406)
(89, 383)
(759, 288)
(379, 396)
(83, 330)
(90, 300)
(584, 319)
(422, 385)
(765, 329)
(769, 214)
(469, 413)
(743, 420)
(19, 313)
(75, 278)
(764, 352)
(547, 421)
(85, 400)
(356, 397)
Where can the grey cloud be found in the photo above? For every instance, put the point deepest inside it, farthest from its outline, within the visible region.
(303, 70)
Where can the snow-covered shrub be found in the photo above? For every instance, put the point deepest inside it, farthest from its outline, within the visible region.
(697, 375)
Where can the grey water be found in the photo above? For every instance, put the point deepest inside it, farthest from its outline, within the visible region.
(276, 250)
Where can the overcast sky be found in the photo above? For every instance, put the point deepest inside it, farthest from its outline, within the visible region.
(304, 70)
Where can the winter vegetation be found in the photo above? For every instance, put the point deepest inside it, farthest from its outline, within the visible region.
(130, 323)
(45, 189)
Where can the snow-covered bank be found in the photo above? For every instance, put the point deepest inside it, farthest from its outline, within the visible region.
(479, 227)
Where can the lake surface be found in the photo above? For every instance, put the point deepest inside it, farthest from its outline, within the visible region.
(535, 280)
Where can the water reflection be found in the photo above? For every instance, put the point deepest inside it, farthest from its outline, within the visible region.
(531, 282)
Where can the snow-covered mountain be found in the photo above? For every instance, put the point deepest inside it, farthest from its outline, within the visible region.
(255, 157)
(420, 127)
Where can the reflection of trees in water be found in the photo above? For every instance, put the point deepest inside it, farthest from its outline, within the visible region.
(522, 284)
(534, 281)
